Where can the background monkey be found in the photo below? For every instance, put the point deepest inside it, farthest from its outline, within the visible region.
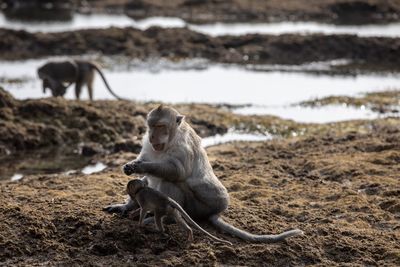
(55, 73)
(174, 163)
(151, 200)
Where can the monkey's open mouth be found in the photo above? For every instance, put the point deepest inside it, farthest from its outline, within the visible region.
(158, 147)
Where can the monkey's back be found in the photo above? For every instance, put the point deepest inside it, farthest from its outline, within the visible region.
(158, 199)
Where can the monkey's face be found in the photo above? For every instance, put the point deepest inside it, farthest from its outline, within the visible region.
(134, 185)
(162, 125)
(159, 136)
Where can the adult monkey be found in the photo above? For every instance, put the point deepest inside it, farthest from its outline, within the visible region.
(81, 72)
(175, 163)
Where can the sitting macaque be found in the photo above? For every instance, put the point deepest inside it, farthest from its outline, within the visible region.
(160, 205)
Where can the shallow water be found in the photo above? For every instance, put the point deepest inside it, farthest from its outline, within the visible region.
(82, 21)
(231, 137)
(270, 92)
(47, 161)
(93, 168)
(326, 114)
(218, 29)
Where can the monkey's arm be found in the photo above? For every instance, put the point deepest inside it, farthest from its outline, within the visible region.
(170, 170)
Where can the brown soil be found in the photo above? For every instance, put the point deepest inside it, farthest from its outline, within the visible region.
(183, 43)
(95, 127)
(208, 11)
(342, 190)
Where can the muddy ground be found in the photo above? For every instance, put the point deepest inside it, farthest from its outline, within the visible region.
(208, 11)
(96, 127)
(181, 43)
(341, 189)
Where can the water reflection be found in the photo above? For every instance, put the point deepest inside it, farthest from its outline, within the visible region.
(233, 136)
(93, 168)
(95, 21)
(47, 161)
(325, 114)
(84, 21)
(17, 177)
(218, 29)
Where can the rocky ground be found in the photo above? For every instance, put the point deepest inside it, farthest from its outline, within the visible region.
(341, 189)
(208, 11)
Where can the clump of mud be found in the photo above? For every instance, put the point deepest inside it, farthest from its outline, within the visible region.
(93, 127)
(209, 11)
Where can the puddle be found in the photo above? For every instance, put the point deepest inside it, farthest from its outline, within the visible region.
(324, 114)
(47, 161)
(17, 177)
(233, 137)
(218, 29)
(86, 21)
(93, 168)
(94, 21)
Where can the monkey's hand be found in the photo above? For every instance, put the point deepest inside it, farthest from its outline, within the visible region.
(136, 166)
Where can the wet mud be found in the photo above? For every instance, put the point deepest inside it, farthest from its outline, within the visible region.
(97, 127)
(182, 43)
(341, 189)
(209, 11)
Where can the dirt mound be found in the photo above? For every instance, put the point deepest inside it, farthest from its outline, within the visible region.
(91, 126)
(342, 190)
(184, 43)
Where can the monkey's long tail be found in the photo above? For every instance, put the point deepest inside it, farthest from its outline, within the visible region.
(226, 227)
(106, 83)
(193, 223)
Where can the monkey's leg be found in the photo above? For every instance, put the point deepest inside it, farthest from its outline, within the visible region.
(159, 224)
(142, 216)
(78, 89)
(135, 213)
(183, 224)
(89, 84)
(148, 220)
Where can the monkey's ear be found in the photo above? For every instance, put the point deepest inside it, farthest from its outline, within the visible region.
(179, 119)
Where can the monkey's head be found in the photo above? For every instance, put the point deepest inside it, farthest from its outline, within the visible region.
(134, 186)
(56, 88)
(162, 124)
(41, 72)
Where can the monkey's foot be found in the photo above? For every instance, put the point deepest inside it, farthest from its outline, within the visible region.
(121, 209)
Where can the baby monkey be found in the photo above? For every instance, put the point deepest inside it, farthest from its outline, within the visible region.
(151, 200)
